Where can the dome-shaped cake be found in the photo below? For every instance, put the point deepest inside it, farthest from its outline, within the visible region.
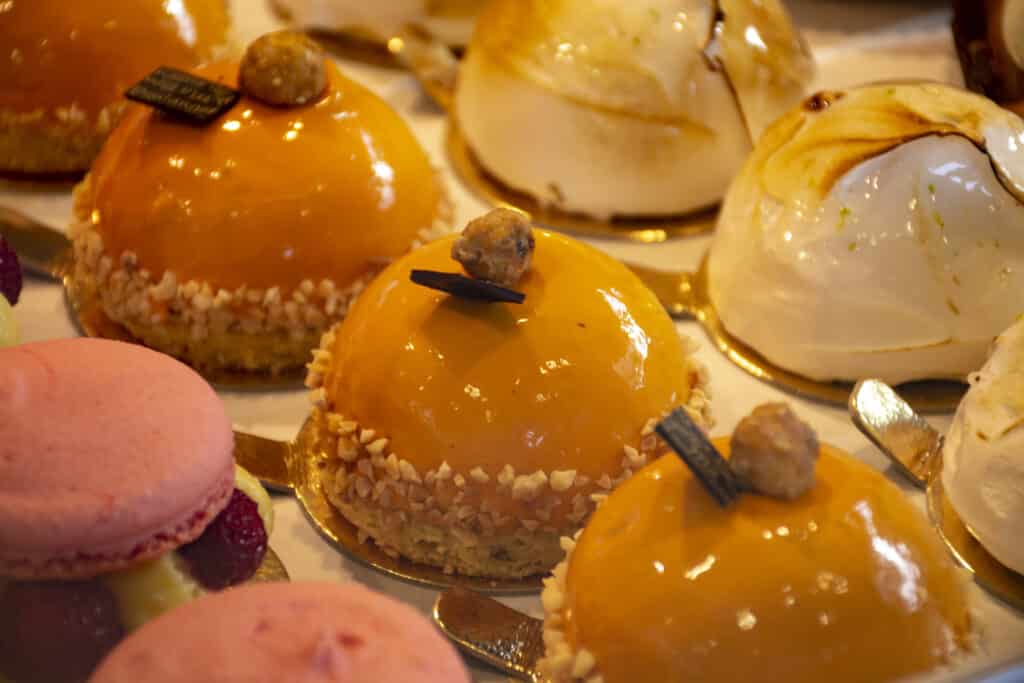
(236, 245)
(65, 65)
(846, 583)
(471, 435)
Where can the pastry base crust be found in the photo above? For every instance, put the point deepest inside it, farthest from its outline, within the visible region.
(65, 141)
(501, 556)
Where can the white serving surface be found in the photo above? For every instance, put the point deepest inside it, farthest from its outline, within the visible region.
(853, 42)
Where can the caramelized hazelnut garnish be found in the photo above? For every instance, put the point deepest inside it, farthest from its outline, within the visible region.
(496, 247)
(283, 69)
(775, 452)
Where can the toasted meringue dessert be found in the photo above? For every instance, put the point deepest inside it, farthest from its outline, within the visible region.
(65, 65)
(235, 246)
(983, 453)
(471, 435)
(845, 582)
(876, 233)
(450, 21)
(625, 107)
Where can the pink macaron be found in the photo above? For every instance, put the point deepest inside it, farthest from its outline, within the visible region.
(110, 454)
(280, 633)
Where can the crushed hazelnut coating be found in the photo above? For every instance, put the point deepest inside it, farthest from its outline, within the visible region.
(775, 451)
(497, 246)
(848, 583)
(265, 196)
(490, 392)
(283, 68)
(57, 53)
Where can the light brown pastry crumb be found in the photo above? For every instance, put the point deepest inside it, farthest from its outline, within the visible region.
(775, 452)
(497, 247)
(283, 68)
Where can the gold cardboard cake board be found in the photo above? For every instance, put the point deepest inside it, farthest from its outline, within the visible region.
(272, 569)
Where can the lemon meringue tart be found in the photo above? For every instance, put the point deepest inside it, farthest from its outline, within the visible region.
(625, 108)
(876, 232)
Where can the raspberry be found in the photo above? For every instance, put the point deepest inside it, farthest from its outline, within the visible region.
(10, 273)
(56, 631)
(232, 547)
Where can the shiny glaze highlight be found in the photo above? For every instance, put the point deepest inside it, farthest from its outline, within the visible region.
(86, 53)
(561, 382)
(266, 196)
(847, 583)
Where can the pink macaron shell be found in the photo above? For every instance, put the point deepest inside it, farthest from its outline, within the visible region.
(287, 633)
(110, 453)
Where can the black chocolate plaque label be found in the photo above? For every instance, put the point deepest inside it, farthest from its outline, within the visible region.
(689, 442)
(466, 287)
(183, 95)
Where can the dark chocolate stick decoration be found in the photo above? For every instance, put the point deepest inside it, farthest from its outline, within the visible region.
(711, 469)
(187, 97)
(466, 287)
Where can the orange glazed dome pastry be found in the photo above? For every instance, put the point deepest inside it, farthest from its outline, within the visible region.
(471, 435)
(236, 245)
(845, 582)
(64, 66)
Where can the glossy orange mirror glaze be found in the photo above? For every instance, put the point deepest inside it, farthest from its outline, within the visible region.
(848, 583)
(265, 196)
(87, 52)
(561, 382)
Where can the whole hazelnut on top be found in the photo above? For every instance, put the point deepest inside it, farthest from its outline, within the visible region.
(775, 452)
(284, 69)
(496, 247)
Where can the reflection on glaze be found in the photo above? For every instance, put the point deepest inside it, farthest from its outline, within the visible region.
(562, 381)
(270, 196)
(631, 368)
(848, 583)
(186, 24)
(57, 53)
